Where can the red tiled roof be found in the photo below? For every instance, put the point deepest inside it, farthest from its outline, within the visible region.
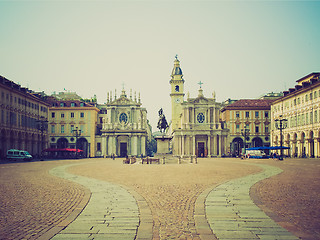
(251, 104)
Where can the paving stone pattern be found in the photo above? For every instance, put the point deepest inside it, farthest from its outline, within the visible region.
(232, 214)
(32, 201)
(112, 212)
(170, 190)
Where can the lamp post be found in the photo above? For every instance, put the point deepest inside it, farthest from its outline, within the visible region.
(281, 123)
(42, 126)
(77, 132)
(245, 132)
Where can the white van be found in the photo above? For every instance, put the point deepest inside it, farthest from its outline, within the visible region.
(14, 154)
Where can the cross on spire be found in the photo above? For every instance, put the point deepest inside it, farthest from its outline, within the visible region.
(200, 83)
(176, 56)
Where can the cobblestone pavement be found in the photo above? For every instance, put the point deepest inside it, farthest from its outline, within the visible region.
(112, 212)
(292, 197)
(170, 190)
(32, 201)
(232, 214)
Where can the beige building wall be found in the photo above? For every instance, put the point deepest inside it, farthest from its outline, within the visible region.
(251, 114)
(301, 107)
(22, 115)
(70, 116)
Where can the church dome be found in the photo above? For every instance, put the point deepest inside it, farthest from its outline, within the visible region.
(176, 68)
(177, 71)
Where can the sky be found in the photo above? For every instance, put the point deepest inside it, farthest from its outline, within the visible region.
(239, 49)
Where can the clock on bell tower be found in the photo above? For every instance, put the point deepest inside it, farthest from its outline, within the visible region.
(177, 93)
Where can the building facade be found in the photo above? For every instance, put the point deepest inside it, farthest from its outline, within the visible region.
(23, 116)
(300, 106)
(72, 124)
(123, 127)
(196, 128)
(251, 116)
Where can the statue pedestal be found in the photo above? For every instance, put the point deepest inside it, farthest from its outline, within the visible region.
(163, 144)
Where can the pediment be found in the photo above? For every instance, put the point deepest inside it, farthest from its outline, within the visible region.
(124, 101)
(199, 100)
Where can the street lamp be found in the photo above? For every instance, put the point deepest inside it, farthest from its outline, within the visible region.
(42, 126)
(77, 132)
(245, 133)
(281, 123)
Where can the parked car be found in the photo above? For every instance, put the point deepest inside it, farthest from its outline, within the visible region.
(14, 154)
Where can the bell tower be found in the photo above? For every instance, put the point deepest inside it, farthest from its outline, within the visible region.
(177, 94)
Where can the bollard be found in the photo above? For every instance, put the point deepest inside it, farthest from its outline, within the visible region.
(164, 160)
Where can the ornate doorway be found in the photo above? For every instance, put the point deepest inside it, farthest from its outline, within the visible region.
(123, 149)
(201, 152)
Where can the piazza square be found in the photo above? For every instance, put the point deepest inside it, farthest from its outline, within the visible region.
(158, 120)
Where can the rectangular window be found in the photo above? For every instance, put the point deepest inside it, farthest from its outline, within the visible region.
(247, 114)
(53, 115)
(82, 115)
(101, 119)
(310, 96)
(53, 129)
(266, 129)
(98, 146)
(237, 114)
(311, 117)
(72, 115)
(266, 114)
(73, 104)
(315, 116)
(72, 128)
(62, 128)
(237, 127)
(307, 119)
(315, 94)
(257, 114)
(62, 115)
(82, 129)
(257, 129)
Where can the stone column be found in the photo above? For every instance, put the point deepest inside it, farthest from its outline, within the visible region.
(214, 144)
(110, 146)
(299, 148)
(193, 145)
(134, 145)
(316, 147)
(104, 146)
(209, 145)
(182, 145)
(143, 145)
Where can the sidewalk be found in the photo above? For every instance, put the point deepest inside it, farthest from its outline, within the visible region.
(112, 212)
(229, 210)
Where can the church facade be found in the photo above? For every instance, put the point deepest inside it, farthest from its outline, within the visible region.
(123, 127)
(196, 128)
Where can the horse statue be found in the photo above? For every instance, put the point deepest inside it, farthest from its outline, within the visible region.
(162, 123)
